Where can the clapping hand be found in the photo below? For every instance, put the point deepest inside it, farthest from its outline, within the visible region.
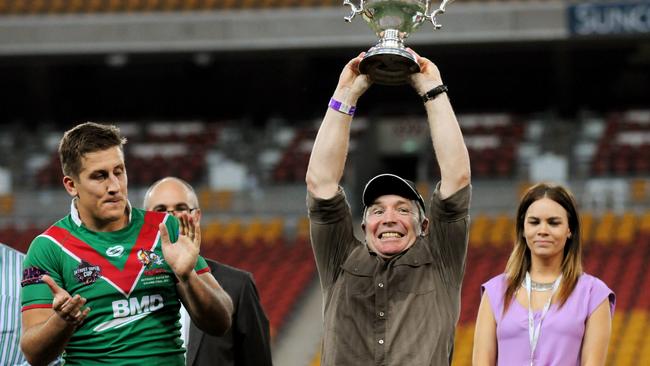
(183, 254)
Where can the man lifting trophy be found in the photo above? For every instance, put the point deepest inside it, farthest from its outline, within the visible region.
(388, 62)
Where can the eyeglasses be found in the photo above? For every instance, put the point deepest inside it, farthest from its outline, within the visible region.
(176, 211)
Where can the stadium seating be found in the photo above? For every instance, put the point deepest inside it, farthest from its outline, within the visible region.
(624, 147)
(25, 7)
(492, 141)
(155, 150)
(6, 204)
(282, 268)
(292, 166)
(19, 238)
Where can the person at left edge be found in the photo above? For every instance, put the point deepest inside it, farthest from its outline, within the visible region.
(104, 284)
(10, 267)
(11, 263)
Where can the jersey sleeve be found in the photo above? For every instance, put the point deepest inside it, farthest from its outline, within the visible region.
(201, 265)
(43, 257)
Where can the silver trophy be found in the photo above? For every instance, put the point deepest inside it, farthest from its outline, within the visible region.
(388, 62)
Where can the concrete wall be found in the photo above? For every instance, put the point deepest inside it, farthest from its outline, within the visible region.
(266, 30)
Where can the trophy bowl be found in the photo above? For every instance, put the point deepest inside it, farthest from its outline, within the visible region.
(388, 62)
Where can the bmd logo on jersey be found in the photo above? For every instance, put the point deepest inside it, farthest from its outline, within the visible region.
(87, 273)
(149, 303)
(130, 310)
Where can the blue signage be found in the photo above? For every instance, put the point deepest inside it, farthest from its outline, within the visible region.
(590, 19)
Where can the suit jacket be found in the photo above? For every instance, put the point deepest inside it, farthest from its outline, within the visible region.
(247, 342)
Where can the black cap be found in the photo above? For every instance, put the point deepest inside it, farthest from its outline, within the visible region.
(390, 184)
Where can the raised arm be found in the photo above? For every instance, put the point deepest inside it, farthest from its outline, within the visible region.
(331, 146)
(447, 138)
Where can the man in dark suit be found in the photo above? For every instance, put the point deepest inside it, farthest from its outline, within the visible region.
(247, 343)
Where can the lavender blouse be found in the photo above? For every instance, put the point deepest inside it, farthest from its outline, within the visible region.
(560, 339)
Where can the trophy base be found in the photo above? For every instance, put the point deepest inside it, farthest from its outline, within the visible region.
(389, 66)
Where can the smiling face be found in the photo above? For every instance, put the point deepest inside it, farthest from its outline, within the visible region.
(101, 188)
(546, 228)
(391, 225)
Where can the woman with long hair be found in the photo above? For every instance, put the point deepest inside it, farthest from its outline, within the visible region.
(544, 310)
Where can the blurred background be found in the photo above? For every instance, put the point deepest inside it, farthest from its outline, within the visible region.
(228, 94)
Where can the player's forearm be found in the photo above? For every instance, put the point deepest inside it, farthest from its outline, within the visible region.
(208, 304)
(43, 343)
(449, 146)
(328, 154)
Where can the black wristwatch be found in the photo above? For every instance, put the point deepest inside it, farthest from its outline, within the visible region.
(433, 93)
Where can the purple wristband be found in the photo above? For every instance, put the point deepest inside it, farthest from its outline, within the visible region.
(342, 107)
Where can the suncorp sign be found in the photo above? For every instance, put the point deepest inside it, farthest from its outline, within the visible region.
(609, 18)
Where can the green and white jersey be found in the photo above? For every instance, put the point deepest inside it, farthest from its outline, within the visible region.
(130, 289)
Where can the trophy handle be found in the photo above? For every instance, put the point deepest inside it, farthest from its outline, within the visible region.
(434, 14)
(355, 9)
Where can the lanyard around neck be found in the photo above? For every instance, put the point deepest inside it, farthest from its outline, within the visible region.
(533, 331)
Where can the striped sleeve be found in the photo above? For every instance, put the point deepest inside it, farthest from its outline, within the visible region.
(11, 265)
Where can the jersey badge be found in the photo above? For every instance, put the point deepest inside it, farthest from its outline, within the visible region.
(32, 275)
(115, 251)
(149, 258)
(87, 273)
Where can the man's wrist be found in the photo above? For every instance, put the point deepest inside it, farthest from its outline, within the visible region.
(185, 278)
(344, 95)
(342, 107)
(434, 92)
(61, 322)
